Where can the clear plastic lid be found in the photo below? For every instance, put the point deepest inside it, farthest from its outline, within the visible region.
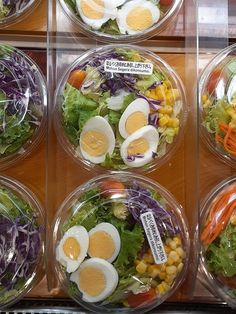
(120, 107)
(218, 240)
(121, 20)
(217, 99)
(12, 11)
(121, 244)
(23, 100)
(21, 241)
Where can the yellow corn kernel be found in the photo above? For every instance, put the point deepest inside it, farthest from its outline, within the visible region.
(150, 268)
(180, 267)
(168, 241)
(233, 219)
(173, 122)
(154, 273)
(174, 93)
(160, 289)
(176, 130)
(174, 256)
(170, 261)
(180, 252)
(148, 258)
(167, 83)
(170, 270)
(167, 249)
(177, 241)
(170, 278)
(148, 93)
(165, 286)
(162, 275)
(204, 98)
(173, 245)
(206, 104)
(169, 100)
(141, 267)
(163, 121)
(166, 109)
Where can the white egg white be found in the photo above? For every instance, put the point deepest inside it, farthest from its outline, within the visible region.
(99, 124)
(114, 234)
(118, 3)
(148, 132)
(109, 272)
(110, 12)
(123, 13)
(138, 104)
(80, 234)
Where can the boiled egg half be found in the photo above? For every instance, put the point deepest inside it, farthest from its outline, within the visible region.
(96, 279)
(134, 117)
(137, 150)
(73, 248)
(136, 16)
(95, 13)
(104, 242)
(96, 140)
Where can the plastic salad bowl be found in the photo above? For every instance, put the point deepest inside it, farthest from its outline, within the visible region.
(121, 20)
(120, 107)
(121, 244)
(218, 240)
(21, 241)
(23, 99)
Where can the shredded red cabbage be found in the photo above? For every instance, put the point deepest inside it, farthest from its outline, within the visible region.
(15, 5)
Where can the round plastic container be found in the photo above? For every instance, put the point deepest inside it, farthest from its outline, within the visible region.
(119, 108)
(120, 20)
(23, 99)
(21, 241)
(217, 241)
(16, 11)
(121, 244)
(217, 101)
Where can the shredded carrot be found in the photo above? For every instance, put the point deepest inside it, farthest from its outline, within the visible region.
(229, 138)
(218, 217)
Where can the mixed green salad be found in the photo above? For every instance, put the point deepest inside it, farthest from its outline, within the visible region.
(219, 108)
(118, 17)
(219, 240)
(21, 102)
(103, 248)
(20, 245)
(118, 117)
(10, 7)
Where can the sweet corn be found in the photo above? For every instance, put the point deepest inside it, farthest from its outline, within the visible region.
(180, 252)
(166, 109)
(162, 288)
(167, 249)
(206, 104)
(204, 98)
(233, 219)
(173, 245)
(170, 278)
(170, 261)
(141, 267)
(180, 267)
(169, 100)
(148, 258)
(163, 121)
(162, 275)
(176, 130)
(154, 273)
(177, 240)
(168, 241)
(167, 83)
(173, 122)
(136, 262)
(175, 93)
(170, 270)
(174, 256)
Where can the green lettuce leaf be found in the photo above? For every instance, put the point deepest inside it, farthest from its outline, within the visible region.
(110, 27)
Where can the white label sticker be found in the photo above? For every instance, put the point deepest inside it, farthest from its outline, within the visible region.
(129, 67)
(154, 238)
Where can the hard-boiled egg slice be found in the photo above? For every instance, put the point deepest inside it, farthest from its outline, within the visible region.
(138, 149)
(96, 140)
(136, 16)
(95, 13)
(118, 3)
(73, 248)
(96, 279)
(134, 117)
(104, 242)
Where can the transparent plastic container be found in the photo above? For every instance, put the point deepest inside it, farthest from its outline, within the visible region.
(121, 244)
(20, 9)
(217, 241)
(119, 20)
(120, 107)
(217, 101)
(21, 241)
(23, 99)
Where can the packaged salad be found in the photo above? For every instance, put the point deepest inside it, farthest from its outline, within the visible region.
(21, 241)
(218, 240)
(121, 20)
(217, 99)
(120, 107)
(23, 99)
(12, 11)
(121, 244)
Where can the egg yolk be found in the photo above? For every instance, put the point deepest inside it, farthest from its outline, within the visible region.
(92, 9)
(92, 281)
(140, 18)
(135, 121)
(94, 143)
(71, 248)
(101, 245)
(139, 146)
